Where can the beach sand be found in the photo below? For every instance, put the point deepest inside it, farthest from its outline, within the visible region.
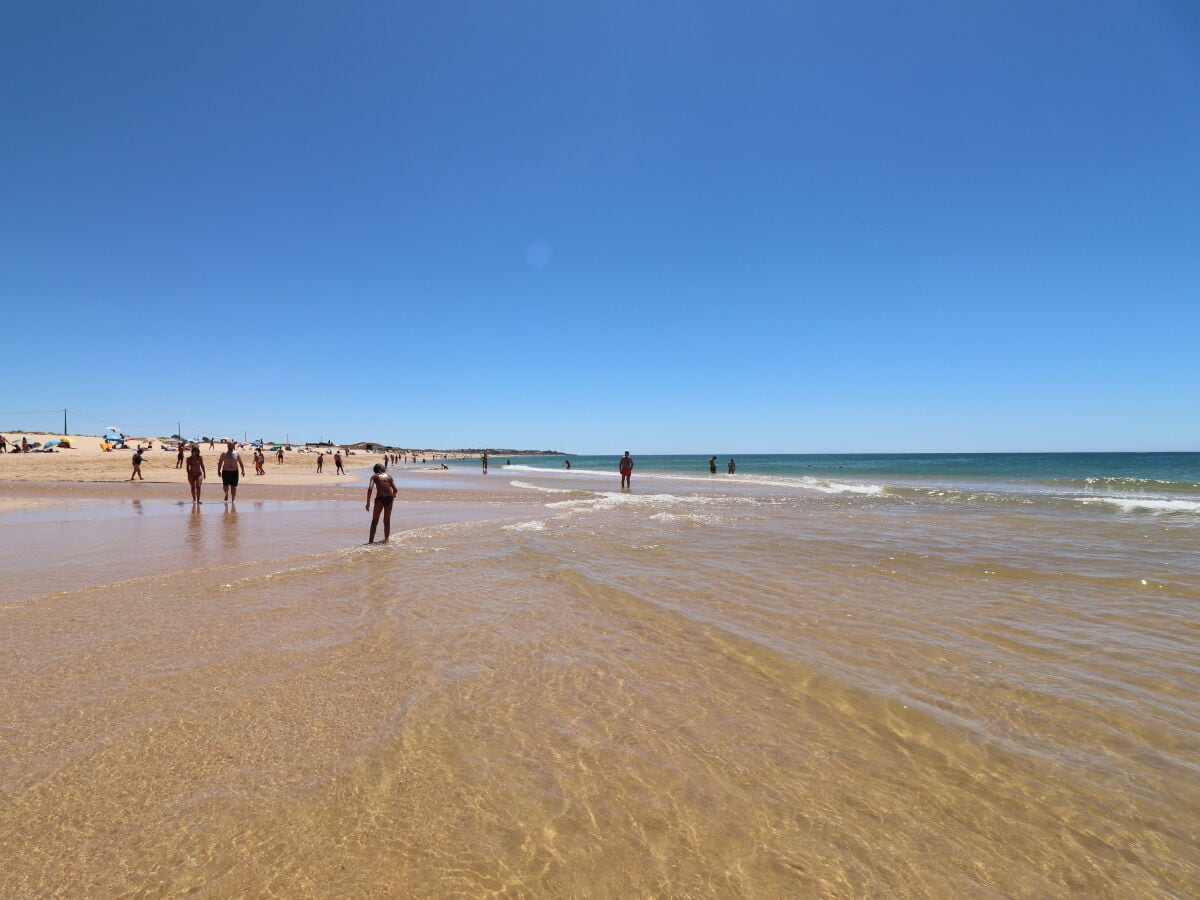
(544, 687)
(84, 462)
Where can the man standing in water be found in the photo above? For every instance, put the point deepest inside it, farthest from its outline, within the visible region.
(195, 473)
(228, 464)
(712, 465)
(483, 459)
(732, 466)
(385, 493)
(626, 467)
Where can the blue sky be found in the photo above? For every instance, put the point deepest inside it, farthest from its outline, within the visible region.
(679, 227)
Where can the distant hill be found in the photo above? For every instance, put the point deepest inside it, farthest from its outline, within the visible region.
(376, 445)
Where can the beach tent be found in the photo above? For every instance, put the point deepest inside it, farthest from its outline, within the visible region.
(49, 444)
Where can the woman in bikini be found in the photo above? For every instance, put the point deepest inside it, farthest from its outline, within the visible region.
(385, 494)
(196, 473)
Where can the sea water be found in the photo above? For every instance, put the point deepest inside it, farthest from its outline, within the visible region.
(867, 679)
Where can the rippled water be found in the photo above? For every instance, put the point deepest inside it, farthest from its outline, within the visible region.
(691, 690)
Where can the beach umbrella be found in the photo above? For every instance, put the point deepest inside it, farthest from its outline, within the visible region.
(53, 443)
(113, 429)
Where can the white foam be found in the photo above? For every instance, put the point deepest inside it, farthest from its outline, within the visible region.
(526, 526)
(534, 487)
(1152, 504)
(805, 482)
(690, 518)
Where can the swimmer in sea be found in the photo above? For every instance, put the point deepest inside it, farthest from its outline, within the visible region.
(385, 494)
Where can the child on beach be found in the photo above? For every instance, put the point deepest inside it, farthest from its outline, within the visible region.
(385, 493)
(137, 465)
(259, 459)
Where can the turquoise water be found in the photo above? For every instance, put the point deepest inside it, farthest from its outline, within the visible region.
(1146, 482)
(1175, 468)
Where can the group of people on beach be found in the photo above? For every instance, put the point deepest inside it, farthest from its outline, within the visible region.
(229, 465)
(22, 447)
(381, 485)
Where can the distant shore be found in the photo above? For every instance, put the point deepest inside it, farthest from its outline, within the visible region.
(86, 461)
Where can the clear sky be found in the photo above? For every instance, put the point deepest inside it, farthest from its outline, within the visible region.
(691, 226)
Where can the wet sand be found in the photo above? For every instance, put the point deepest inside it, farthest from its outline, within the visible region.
(547, 688)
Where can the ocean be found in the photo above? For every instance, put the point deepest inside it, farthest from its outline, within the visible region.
(909, 676)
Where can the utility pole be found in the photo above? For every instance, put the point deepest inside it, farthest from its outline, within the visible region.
(65, 432)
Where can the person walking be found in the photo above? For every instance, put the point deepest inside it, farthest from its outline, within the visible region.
(179, 456)
(626, 469)
(320, 462)
(279, 456)
(137, 464)
(229, 464)
(196, 472)
(337, 463)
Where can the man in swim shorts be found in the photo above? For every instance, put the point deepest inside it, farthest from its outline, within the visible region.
(228, 464)
(626, 467)
(385, 494)
(195, 472)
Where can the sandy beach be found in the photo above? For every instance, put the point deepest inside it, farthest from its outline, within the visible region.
(542, 686)
(85, 462)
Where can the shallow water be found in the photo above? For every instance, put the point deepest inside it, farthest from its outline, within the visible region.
(691, 690)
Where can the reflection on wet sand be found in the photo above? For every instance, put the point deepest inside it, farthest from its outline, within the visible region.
(195, 529)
